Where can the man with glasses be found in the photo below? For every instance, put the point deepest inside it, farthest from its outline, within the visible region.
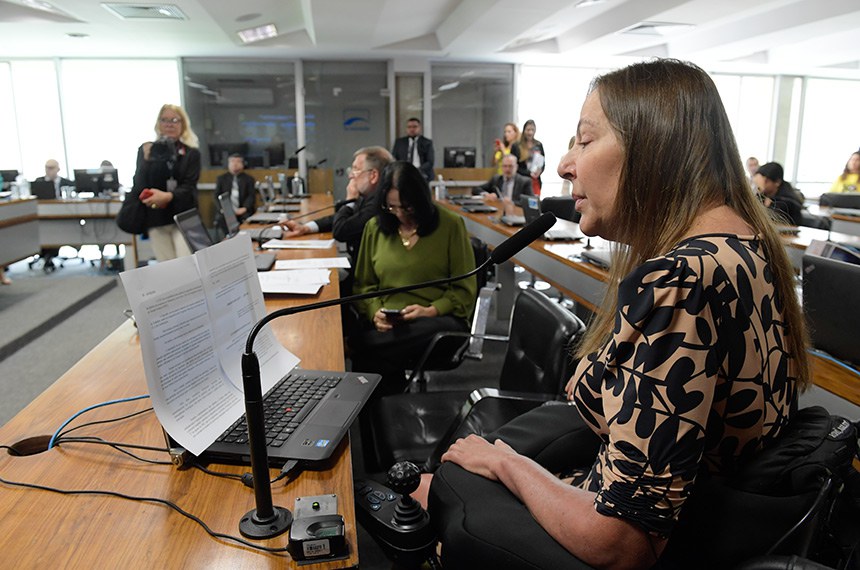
(347, 223)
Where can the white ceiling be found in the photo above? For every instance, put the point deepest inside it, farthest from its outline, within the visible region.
(777, 36)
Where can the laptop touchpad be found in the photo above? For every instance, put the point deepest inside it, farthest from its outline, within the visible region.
(334, 412)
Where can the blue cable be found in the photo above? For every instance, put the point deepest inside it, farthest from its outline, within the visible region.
(826, 356)
(85, 410)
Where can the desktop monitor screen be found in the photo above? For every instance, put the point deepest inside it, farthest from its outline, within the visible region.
(218, 152)
(831, 303)
(275, 154)
(9, 177)
(99, 181)
(459, 157)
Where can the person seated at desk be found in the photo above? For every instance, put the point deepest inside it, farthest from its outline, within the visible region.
(409, 241)
(347, 223)
(777, 194)
(240, 186)
(848, 180)
(507, 186)
(671, 379)
(52, 174)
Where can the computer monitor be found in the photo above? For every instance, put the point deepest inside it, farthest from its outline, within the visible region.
(831, 303)
(99, 181)
(218, 152)
(9, 177)
(833, 250)
(460, 157)
(275, 154)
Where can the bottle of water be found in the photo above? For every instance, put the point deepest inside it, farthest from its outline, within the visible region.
(441, 191)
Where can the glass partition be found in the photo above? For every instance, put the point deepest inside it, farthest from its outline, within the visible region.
(471, 102)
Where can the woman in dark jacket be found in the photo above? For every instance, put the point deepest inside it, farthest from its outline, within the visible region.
(166, 180)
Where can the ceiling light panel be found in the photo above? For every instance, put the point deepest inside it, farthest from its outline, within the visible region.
(145, 11)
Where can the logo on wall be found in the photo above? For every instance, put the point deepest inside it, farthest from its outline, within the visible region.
(356, 119)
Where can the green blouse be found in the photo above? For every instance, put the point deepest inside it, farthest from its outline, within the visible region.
(383, 262)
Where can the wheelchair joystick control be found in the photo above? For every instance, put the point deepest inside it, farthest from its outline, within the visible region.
(393, 518)
(403, 478)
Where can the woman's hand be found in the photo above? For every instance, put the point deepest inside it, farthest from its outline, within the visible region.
(412, 312)
(381, 322)
(479, 456)
(155, 198)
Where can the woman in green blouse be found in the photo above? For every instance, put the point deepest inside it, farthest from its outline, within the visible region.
(409, 241)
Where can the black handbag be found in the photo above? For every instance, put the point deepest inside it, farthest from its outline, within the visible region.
(132, 215)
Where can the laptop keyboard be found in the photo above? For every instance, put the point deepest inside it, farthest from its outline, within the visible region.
(284, 408)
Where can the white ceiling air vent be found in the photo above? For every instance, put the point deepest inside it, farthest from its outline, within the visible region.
(657, 28)
(145, 11)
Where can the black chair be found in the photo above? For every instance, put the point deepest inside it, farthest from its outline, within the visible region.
(418, 427)
(774, 513)
(447, 351)
(840, 200)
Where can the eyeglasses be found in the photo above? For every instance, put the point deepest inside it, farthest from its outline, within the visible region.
(352, 173)
(395, 209)
(172, 120)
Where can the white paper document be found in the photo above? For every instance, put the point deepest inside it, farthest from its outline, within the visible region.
(298, 244)
(316, 263)
(193, 315)
(295, 281)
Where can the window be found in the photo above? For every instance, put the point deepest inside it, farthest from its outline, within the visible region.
(748, 100)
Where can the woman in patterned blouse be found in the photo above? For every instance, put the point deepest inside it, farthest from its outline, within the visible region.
(696, 356)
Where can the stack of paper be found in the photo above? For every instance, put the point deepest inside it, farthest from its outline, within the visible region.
(295, 281)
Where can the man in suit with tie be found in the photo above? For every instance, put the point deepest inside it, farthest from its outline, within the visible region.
(240, 185)
(52, 174)
(415, 148)
(508, 186)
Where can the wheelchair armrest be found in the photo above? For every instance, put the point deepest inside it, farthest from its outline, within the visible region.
(510, 404)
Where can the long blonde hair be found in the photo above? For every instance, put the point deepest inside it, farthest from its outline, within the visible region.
(188, 136)
(680, 159)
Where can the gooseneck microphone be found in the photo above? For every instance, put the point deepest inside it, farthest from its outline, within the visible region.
(267, 520)
(336, 206)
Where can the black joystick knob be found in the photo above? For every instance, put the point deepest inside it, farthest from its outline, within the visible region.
(404, 477)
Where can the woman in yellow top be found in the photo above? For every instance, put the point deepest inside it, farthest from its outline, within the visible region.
(506, 145)
(848, 180)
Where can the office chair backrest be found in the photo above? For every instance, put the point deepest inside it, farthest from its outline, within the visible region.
(538, 358)
(840, 199)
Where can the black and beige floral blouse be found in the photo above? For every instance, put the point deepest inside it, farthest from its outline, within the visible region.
(696, 375)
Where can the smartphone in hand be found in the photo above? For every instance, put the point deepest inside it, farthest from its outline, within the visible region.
(146, 194)
(392, 315)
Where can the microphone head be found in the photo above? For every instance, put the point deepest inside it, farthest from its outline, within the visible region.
(511, 246)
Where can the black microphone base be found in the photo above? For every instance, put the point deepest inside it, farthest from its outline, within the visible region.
(251, 527)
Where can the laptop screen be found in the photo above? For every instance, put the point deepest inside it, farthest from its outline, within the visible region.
(191, 226)
(229, 214)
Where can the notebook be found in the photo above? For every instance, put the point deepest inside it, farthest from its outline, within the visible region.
(479, 209)
(197, 237)
(513, 220)
(561, 231)
(233, 225)
(307, 414)
(43, 190)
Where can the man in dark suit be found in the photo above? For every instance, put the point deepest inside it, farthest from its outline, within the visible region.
(415, 148)
(508, 186)
(347, 223)
(52, 174)
(241, 188)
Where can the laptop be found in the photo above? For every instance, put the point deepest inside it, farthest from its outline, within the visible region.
(233, 225)
(600, 257)
(197, 237)
(307, 414)
(479, 209)
(267, 218)
(466, 200)
(513, 220)
(561, 231)
(43, 189)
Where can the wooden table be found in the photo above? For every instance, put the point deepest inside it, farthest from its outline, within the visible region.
(40, 529)
(560, 264)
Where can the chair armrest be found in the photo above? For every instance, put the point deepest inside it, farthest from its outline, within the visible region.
(511, 405)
